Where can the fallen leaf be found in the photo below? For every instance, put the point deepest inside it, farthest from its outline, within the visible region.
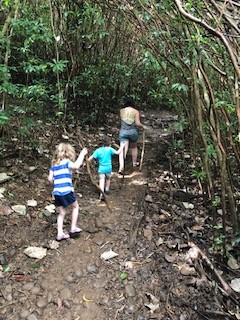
(148, 234)
(50, 208)
(152, 307)
(235, 284)
(197, 228)
(170, 258)
(159, 242)
(86, 299)
(187, 271)
(232, 263)
(19, 277)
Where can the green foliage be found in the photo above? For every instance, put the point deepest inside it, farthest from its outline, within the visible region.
(177, 144)
(179, 87)
(58, 66)
(3, 118)
(201, 175)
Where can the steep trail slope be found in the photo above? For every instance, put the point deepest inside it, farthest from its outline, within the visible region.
(149, 228)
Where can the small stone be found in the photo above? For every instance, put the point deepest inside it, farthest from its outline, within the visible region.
(28, 286)
(45, 284)
(41, 303)
(35, 290)
(24, 314)
(65, 294)
(32, 317)
(92, 269)
(4, 177)
(130, 290)
(20, 209)
(50, 297)
(69, 279)
(148, 198)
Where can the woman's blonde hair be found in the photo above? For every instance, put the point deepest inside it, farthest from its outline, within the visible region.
(63, 151)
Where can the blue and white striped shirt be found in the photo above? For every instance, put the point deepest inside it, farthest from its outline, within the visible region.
(62, 178)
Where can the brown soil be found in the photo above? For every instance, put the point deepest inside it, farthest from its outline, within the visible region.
(147, 224)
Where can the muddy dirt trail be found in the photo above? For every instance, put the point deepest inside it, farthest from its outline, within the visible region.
(146, 225)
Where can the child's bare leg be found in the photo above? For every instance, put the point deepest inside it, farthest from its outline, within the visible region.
(102, 182)
(61, 215)
(75, 209)
(107, 186)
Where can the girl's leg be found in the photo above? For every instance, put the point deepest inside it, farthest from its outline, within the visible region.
(75, 209)
(62, 213)
(122, 155)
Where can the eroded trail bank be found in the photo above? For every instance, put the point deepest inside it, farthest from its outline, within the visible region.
(154, 226)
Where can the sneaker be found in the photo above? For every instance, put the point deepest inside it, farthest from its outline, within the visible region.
(121, 170)
(107, 191)
(135, 164)
(101, 198)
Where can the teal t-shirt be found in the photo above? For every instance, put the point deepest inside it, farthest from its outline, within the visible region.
(104, 157)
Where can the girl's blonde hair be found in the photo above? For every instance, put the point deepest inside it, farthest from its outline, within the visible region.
(63, 151)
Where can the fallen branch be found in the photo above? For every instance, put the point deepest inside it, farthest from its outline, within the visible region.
(196, 252)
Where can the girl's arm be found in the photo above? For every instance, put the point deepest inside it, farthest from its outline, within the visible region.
(77, 164)
(50, 176)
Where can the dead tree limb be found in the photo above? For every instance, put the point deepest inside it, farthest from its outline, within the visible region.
(197, 251)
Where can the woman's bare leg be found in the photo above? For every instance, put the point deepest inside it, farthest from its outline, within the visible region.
(134, 153)
(122, 155)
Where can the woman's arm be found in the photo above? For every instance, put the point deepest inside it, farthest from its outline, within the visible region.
(137, 120)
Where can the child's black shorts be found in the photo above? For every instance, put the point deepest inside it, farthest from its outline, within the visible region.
(64, 201)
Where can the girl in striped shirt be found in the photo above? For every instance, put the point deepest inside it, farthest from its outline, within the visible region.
(60, 175)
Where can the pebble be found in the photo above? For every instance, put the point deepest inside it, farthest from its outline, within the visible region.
(50, 297)
(24, 314)
(92, 269)
(2, 259)
(28, 286)
(65, 294)
(78, 273)
(9, 297)
(35, 290)
(130, 290)
(32, 317)
(45, 284)
(41, 303)
(70, 279)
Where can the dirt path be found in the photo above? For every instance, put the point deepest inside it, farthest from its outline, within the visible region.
(150, 278)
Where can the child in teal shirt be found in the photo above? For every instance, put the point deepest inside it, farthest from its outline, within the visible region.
(104, 156)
